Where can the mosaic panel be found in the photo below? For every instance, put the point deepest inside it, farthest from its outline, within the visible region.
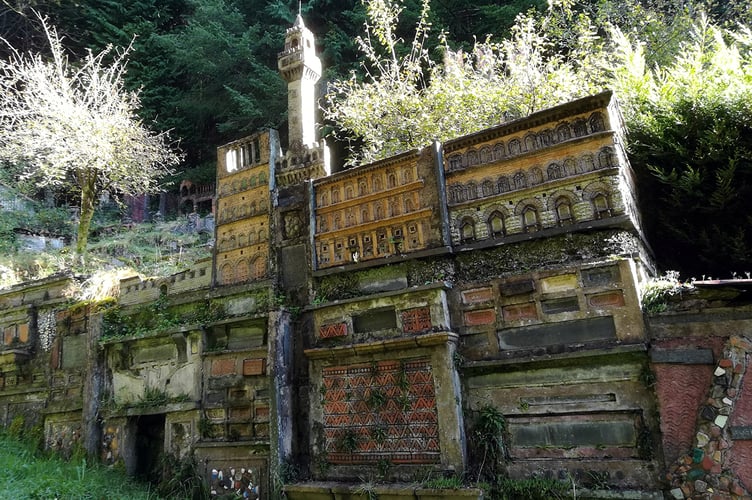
(416, 320)
(381, 411)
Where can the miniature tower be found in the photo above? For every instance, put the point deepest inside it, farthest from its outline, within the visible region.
(301, 69)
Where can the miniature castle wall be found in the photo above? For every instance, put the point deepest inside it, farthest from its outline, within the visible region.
(376, 315)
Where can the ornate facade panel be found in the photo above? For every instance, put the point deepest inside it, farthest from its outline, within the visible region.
(244, 177)
(381, 210)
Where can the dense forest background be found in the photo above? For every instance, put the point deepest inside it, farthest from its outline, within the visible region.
(207, 71)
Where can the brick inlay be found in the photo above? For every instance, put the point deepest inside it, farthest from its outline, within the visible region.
(416, 320)
(333, 330)
(223, 367)
(255, 366)
(482, 317)
(610, 299)
(520, 312)
(477, 295)
(380, 411)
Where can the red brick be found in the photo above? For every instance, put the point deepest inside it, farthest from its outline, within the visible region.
(680, 390)
(23, 332)
(482, 317)
(477, 295)
(416, 320)
(223, 367)
(610, 299)
(333, 330)
(255, 366)
(520, 312)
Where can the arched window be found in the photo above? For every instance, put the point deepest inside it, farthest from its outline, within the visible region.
(379, 211)
(487, 188)
(409, 206)
(486, 155)
(564, 213)
(514, 147)
(588, 165)
(393, 208)
(241, 271)
(530, 219)
(472, 158)
(391, 180)
(520, 181)
(563, 132)
(545, 138)
(407, 176)
(606, 158)
(472, 191)
(455, 162)
(349, 192)
(601, 206)
(580, 128)
(362, 187)
(536, 175)
(335, 195)
(496, 224)
(324, 199)
(376, 182)
(502, 184)
(531, 142)
(596, 122)
(364, 216)
(570, 167)
(467, 230)
(554, 172)
(259, 267)
(457, 194)
(225, 275)
(499, 152)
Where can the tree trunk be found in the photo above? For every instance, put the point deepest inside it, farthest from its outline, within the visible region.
(88, 196)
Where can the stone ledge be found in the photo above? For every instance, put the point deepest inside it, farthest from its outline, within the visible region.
(530, 359)
(443, 285)
(343, 491)
(741, 432)
(397, 344)
(682, 356)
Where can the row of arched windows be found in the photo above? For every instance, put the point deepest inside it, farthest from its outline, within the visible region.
(242, 270)
(458, 193)
(530, 142)
(235, 212)
(243, 184)
(232, 241)
(308, 157)
(529, 218)
(369, 212)
(365, 185)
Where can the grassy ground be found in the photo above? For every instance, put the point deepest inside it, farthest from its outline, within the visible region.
(28, 474)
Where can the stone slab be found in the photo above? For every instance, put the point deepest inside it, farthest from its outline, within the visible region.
(682, 356)
(741, 432)
(380, 319)
(564, 332)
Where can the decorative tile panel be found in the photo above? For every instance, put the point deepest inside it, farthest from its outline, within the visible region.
(481, 317)
(380, 411)
(333, 330)
(416, 320)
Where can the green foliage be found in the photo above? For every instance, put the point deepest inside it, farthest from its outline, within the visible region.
(376, 399)
(657, 292)
(444, 483)
(691, 145)
(25, 472)
(348, 442)
(529, 489)
(487, 435)
(184, 479)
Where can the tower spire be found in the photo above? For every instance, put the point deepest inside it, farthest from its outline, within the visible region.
(301, 69)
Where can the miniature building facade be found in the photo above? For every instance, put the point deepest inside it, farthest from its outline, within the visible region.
(358, 324)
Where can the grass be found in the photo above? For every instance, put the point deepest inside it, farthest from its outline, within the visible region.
(149, 249)
(28, 473)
